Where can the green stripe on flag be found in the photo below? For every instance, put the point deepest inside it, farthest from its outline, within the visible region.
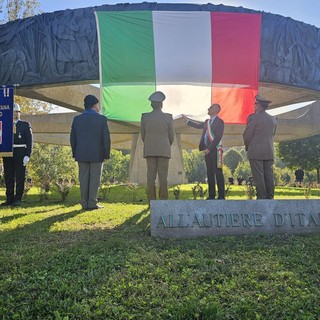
(127, 63)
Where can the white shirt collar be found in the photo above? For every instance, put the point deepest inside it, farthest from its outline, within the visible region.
(212, 119)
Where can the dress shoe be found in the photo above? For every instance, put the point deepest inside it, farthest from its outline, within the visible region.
(6, 203)
(16, 203)
(221, 198)
(210, 199)
(96, 207)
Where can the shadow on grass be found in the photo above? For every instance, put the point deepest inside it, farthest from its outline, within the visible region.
(12, 217)
(139, 220)
(24, 230)
(34, 201)
(118, 194)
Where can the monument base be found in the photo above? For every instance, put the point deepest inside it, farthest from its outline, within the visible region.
(197, 218)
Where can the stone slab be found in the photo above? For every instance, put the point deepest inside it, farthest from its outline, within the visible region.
(198, 218)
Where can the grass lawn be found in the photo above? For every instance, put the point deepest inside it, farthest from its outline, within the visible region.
(58, 262)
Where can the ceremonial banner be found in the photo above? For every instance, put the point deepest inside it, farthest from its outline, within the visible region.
(6, 121)
(194, 58)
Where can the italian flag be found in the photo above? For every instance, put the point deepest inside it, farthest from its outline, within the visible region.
(194, 58)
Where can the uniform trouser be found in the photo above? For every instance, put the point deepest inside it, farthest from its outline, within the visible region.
(89, 178)
(214, 172)
(262, 174)
(157, 165)
(14, 174)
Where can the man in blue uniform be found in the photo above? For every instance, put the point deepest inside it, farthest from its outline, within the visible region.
(15, 167)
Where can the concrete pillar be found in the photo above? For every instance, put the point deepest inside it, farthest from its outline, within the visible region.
(138, 166)
(176, 173)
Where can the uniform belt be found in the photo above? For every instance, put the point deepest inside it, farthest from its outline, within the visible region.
(19, 145)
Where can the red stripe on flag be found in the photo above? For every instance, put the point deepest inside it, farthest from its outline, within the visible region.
(235, 63)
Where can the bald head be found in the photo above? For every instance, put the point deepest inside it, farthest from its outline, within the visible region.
(214, 109)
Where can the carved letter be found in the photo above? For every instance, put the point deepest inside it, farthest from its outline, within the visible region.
(300, 218)
(161, 222)
(196, 220)
(181, 221)
(278, 219)
(313, 220)
(257, 217)
(208, 218)
(235, 220)
(245, 219)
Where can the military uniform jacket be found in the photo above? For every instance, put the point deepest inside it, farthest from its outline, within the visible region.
(258, 136)
(23, 136)
(90, 137)
(157, 134)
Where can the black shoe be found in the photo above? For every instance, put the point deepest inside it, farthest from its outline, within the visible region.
(221, 198)
(6, 203)
(96, 207)
(210, 199)
(16, 203)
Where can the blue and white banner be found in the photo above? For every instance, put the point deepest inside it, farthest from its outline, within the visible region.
(6, 121)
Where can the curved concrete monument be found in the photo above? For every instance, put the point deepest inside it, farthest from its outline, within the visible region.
(54, 57)
(61, 48)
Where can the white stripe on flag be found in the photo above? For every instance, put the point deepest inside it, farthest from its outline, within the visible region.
(182, 43)
(186, 99)
(183, 60)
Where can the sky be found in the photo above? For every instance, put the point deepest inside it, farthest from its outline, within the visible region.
(301, 10)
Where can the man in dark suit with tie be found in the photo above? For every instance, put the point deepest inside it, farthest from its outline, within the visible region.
(15, 166)
(90, 144)
(210, 143)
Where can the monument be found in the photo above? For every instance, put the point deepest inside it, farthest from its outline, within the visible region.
(194, 218)
(54, 57)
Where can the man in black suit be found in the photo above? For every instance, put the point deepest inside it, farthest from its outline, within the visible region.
(299, 173)
(210, 143)
(15, 167)
(90, 144)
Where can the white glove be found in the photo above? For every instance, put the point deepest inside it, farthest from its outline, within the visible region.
(25, 160)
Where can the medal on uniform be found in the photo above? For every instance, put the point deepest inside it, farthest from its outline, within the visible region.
(19, 136)
(14, 128)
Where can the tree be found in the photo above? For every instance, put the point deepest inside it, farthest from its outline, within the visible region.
(116, 168)
(232, 158)
(304, 153)
(282, 176)
(194, 166)
(51, 162)
(277, 161)
(32, 106)
(243, 170)
(18, 9)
